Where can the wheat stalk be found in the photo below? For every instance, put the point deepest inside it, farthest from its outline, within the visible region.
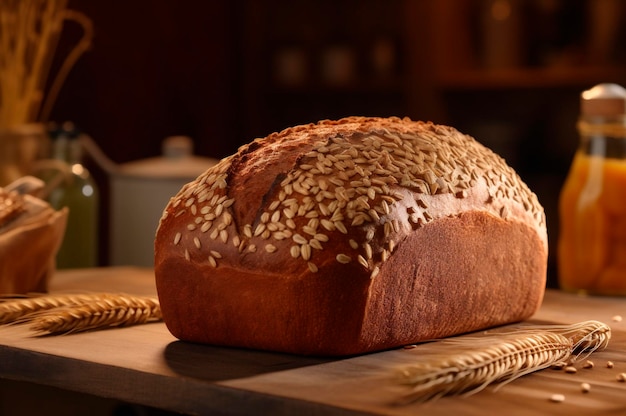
(59, 314)
(11, 310)
(118, 311)
(502, 357)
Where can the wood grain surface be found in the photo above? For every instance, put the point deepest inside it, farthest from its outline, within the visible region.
(148, 366)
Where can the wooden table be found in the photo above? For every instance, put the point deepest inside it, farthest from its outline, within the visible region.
(148, 366)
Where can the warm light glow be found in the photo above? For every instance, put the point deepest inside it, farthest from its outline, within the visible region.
(501, 10)
(78, 169)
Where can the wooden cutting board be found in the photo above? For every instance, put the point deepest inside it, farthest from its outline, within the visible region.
(146, 365)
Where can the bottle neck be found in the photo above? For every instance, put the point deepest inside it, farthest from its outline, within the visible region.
(67, 149)
(75, 152)
(605, 139)
(610, 126)
(59, 148)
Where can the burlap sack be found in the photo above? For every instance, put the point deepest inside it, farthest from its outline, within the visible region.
(29, 242)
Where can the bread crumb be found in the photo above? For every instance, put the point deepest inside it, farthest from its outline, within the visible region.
(570, 369)
(617, 318)
(588, 364)
(621, 377)
(609, 364)
(585, 387)
(557, 398)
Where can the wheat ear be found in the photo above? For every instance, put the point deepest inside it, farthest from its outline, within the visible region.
(12, 310)
(107, 312)
(55, 314)
(587, 336)
(500, 357)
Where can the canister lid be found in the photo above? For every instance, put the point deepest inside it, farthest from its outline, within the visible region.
(177, 162)
(603, 100)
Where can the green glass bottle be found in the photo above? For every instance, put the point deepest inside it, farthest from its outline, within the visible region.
(79, 192)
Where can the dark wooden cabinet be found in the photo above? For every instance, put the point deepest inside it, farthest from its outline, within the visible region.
(226, 72)
(311, 60)
(508, 72)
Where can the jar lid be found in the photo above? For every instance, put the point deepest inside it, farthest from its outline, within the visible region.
(604, 100)
(177, 162)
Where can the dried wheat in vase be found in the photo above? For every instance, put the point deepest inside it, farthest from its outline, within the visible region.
(349, 236)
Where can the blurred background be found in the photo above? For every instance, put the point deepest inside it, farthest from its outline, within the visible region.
(508, 72)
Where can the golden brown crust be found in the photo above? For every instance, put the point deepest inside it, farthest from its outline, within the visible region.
(308, 241)
(11, 205)
(456, 275)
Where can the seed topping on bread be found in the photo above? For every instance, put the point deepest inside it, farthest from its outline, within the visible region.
(370, 184)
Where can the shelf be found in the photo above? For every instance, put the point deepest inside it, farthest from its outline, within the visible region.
(584, 76)
(373, 86)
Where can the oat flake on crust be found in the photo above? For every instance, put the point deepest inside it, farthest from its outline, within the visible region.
(353, 178)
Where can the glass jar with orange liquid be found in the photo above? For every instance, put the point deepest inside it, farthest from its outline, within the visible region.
(592, 207)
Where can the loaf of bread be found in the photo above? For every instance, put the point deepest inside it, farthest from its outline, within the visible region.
(350, 236)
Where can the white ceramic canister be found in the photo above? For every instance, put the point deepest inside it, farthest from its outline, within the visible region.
(140, 190)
